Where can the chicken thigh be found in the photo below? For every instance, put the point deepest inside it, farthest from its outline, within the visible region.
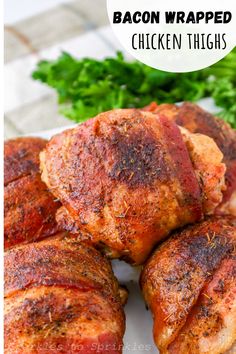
(126, 179)
(29, 208)
(189, 283)
(196, 120)
(61, 297)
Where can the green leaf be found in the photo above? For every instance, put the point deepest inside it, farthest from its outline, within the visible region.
(88, 86)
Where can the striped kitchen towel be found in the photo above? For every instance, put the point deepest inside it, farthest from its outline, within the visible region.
(32, 33)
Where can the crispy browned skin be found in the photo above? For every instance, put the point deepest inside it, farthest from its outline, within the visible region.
(196, 120)
(21, 157)
(189, 283)
(126, 179)
(29, 208)
(61, 297)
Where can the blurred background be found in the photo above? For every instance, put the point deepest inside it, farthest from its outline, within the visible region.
(37, 30)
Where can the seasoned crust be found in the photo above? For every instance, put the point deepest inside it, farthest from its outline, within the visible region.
(21, 157)
(61, 295)
(189, 284)
(206, 159)
(197, 120)
(60, 261)
(29, 208)
(123, 184)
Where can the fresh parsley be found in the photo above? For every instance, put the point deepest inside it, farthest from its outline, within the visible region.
(87, 86)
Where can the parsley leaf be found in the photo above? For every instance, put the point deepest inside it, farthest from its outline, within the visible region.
(86, 87)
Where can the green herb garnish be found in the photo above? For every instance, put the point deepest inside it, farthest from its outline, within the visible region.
(86, 87)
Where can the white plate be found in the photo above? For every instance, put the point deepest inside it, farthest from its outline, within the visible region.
(138, 336)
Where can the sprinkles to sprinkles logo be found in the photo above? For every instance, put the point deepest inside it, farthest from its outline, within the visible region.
(178, 36)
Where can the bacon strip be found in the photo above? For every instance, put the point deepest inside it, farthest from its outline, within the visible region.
(183, 167)
(29, 207)
(21, 157)
(61, 297)
(46, 264)
(230, 178)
